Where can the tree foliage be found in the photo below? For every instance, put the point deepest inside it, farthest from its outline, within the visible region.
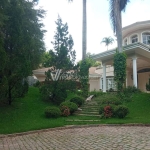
(62, 75)
(84, 76)
(21, 45)
(107, 40)
(116, 7)
(91, 62)
(120, 70)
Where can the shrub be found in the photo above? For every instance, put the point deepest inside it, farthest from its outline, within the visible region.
(72, 106)
(121, 111)
(53, 92)
(96, 93)
(37, 84)
(131, 89)
(126, 94)
(79, 92)
(108, 111)
(65, 111)
(52, 112)
(110, 99)
(103, 110)
(77, 100)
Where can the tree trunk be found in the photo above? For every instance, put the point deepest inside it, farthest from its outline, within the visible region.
(84, 31)
(118, 25)
(9, 90)
(9, 95)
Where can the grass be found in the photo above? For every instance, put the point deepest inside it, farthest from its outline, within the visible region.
(28, 114)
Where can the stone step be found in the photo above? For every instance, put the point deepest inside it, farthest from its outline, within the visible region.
(88, 110)
(90, 106)
(90, 115)
(83, 120)
(91, 103)
(94, 107)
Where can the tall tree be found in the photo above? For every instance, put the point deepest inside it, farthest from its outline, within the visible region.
(107, 40)
(60, 76)
(63, 55)
(84, 30)
(22, 46)
(116, 7)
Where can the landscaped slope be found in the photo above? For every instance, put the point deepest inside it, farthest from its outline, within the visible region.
(28, 114)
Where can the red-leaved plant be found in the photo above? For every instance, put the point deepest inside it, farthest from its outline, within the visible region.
(108, 111)
(65, 111)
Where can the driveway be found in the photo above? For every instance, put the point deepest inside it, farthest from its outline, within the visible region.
(83, 138)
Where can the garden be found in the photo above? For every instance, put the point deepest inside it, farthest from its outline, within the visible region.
(33, 113)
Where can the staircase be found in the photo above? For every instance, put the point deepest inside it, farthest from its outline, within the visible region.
(90, 108)
(89, 112)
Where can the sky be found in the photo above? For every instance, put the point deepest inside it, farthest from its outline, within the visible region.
(98, 22)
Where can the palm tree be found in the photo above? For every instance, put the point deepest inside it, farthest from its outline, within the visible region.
(84, 30)
(116, 7)
(107, 40)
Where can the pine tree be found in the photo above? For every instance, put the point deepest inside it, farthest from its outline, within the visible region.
(62, 63)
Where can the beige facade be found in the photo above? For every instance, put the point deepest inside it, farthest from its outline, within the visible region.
(136, 41)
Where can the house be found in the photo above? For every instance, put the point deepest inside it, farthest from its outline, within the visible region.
(136, 45)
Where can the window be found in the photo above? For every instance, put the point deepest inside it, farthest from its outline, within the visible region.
(110, 83)
(134, 39)
(125, 42)
(146, 38)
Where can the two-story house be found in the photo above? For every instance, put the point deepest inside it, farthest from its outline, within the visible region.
(136, 45)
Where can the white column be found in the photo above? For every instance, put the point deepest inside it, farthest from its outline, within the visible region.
(104, 77)
(134, 71)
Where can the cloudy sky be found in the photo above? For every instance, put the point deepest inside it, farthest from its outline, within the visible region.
(98, 23)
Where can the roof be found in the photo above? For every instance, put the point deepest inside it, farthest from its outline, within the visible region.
(127, 49)
(137, 23)
(135, 26)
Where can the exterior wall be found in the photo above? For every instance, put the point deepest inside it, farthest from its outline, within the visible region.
(138, 33)
(94, 84)
(143, 78)
(129, 79)
(109, 71)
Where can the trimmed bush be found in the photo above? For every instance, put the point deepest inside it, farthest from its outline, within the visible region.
(72, 106)
(121, 111)
(52, 112)
(77, 100)
(65, 111)
(111, 99)
(96, 93)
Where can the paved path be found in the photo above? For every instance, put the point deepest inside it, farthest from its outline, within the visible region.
(86, 138)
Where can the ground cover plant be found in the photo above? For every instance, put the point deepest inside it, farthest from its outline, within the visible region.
(27, 113)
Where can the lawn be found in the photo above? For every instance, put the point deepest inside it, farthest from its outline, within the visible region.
(28, 114)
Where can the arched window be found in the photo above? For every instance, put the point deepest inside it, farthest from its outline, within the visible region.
(134, 39)
(125, 42)
(146, 38)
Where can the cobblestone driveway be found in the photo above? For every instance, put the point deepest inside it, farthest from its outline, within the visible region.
(84, 138)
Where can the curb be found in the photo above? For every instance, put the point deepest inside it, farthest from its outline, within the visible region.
(73, 127)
